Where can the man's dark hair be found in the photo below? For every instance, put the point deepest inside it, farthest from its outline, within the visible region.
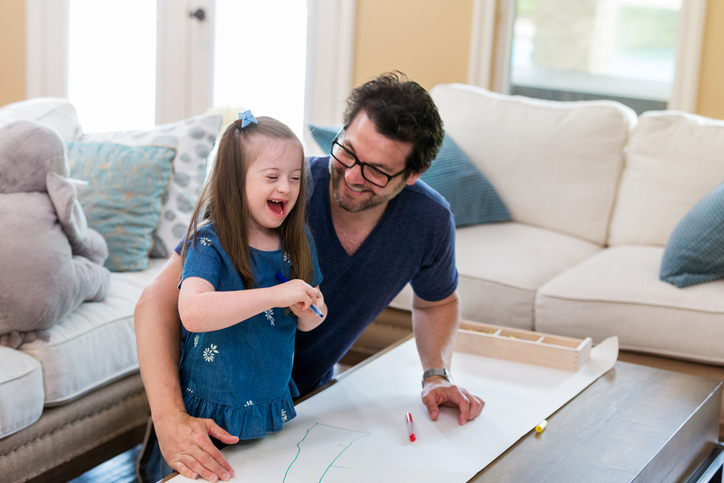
(403, 111)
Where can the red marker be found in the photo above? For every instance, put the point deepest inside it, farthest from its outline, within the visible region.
(409, 427)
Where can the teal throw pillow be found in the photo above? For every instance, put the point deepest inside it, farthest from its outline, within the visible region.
(123, 198)
(695, 252)
(473, 200)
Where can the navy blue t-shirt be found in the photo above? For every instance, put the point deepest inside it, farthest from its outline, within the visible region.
(414, 241)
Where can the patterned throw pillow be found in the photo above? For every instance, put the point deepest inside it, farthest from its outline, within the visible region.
(193, 140)
(473, 200)
(695, 251)
(123, 198)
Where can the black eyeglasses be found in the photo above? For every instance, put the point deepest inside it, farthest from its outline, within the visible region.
(369, 172)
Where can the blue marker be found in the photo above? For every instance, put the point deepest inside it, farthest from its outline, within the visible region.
(314, 308)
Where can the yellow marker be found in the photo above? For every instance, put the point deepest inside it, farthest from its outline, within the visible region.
(541, 426)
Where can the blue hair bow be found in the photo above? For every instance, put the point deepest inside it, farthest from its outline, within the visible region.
(247, 118)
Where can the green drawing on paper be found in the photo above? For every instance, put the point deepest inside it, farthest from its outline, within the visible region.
(321, 446)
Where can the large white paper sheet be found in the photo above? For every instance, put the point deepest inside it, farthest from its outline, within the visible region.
(355, 431)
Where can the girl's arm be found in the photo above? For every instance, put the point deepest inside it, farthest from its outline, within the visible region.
(202, 309)
(308, 320)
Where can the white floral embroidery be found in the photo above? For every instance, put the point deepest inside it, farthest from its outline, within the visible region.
(286, 258)
(269, 315)
(249, 403)
(205, 241)
(209, 353)
(284, 416)
(196, 340)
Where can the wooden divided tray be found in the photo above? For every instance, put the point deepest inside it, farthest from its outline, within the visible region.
(523, 346)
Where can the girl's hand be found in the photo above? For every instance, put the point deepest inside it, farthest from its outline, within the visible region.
(317, 299)
(297, 294)
(307, 319)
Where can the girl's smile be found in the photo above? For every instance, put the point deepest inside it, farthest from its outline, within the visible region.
(272, 188)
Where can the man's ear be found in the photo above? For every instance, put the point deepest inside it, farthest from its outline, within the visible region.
(413, 178)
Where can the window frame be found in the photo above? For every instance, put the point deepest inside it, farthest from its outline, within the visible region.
(492, 39)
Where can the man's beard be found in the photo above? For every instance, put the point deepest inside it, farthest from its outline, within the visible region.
(365, 204)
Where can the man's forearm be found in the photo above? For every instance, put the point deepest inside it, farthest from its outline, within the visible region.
(158, 330)
(435, 326)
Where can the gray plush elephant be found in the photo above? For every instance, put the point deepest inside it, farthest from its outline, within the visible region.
(50, 261)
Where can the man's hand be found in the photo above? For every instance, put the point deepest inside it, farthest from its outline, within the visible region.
(439, 392)
(186, 447)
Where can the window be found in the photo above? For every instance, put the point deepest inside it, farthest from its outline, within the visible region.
(157, 62)
(112, 63)
(643, 53)
(595, 49)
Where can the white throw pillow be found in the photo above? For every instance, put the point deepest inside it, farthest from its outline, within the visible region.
(555, 165)
(193, 140)
(53, 111)
(673, 160)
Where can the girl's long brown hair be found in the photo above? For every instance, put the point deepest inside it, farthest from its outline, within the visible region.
(223, 201)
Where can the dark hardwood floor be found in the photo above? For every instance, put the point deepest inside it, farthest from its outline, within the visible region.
(121, 469)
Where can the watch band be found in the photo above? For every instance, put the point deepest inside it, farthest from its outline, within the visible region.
(437, 372)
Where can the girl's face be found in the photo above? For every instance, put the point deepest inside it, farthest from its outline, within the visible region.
(272, 184)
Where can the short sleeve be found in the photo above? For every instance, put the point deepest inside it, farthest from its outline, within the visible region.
(203, 260)
(317, 279)
(438, 276)
(180, 246)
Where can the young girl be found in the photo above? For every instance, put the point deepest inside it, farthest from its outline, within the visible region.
(248, 232)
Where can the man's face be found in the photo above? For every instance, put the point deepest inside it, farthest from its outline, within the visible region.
(351, 191)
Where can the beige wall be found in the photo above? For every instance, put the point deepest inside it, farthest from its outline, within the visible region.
(426, 39)
(711, 81)
(12, 51)
(429, 40)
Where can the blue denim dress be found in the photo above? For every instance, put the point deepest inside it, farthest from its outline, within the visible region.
(241, 376)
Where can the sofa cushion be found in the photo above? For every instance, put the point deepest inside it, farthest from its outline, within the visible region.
(53, 111)
(695, 252)
(473, 200)
(122, 200)
(672, 161)
(555, 164)
(193, 140)
(501, 266)
(96, 344)
(21, 391)
(618, 292)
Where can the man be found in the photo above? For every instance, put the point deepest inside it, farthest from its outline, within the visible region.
(375, 229)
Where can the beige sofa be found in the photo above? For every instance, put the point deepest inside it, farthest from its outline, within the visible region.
(71, 402)
(594, 192)
(76, 399)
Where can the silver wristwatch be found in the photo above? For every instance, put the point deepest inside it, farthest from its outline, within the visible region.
(437, 372)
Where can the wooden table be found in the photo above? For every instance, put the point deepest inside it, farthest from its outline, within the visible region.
(633, 424)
